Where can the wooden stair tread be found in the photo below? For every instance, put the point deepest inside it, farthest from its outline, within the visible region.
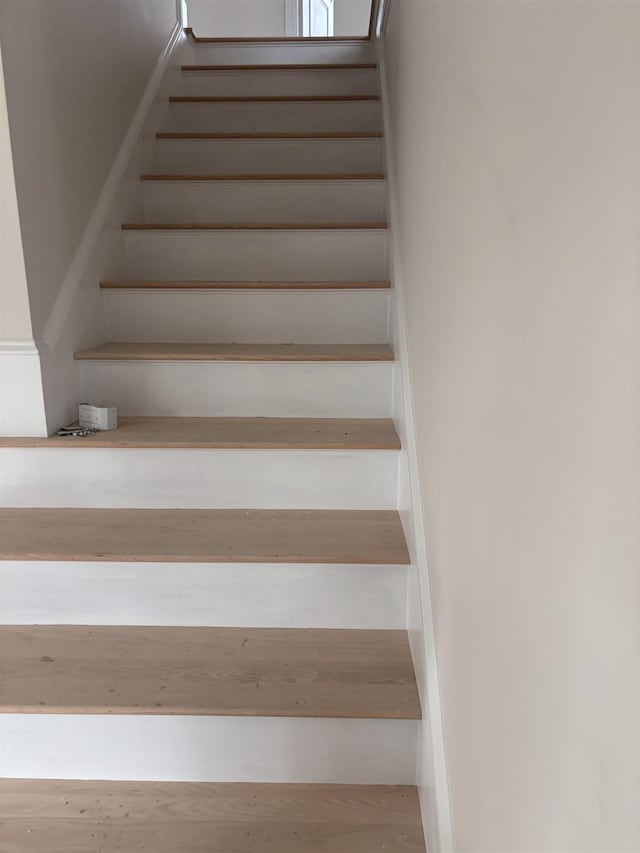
(250, 433)
(268, 99)
(328, 40)
(293, 66)
(354, 176)
(352, 134)
(63, 816)
(203, 536)
(245, 285)
(261, 672)
(236, 352)
(254, 226)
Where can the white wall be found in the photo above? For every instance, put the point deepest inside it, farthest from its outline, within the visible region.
(517, 142)
(15, 317)
(235, 18)
(21, 396)
(74, 72)
(267, 18)
(351, 17)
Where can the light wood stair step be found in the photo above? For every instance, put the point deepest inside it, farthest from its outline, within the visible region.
(318, 66)
(228, 433)
(247, 672)
(245, 285)
(113, 351)
(354, 176)
(351, 134)
(253, 226)
(328, 40)
(203, 536)
(166, 817)
(268, 99)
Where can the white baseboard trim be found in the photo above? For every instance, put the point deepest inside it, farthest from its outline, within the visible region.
(432, 772)
(98, 217)
(18, 348)
(22, 411)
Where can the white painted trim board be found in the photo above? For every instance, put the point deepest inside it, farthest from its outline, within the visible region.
(433, 785)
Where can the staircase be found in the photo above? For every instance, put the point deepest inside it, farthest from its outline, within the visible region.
(204, 642)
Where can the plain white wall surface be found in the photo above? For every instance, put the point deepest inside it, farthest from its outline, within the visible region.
(351, 17)
(235, 18)
(21, 394)
(267, 18)
(517, 152)
(74, 73)
(15, 317)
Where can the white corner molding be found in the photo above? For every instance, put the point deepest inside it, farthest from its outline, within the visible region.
(380, 15)
(182, 13)
(432, 772)
(98, 217)
(21, 394)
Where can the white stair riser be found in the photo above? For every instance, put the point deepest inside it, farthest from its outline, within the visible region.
(209, 749)
(269, 156)
(256, 255)
(304, 52)
(194, 478)
(264, 201)
(246, 84)
(197, 594)
(277, 117)
(230, 389)
(248, 316)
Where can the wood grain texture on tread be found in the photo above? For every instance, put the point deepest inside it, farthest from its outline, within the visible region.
(235, 352)
(245, 285)
(227, 433)
(203, 536)
(68, 816)
(353, 134)
(268, 99)
(254, 226)
(344, 176)
(247, 672)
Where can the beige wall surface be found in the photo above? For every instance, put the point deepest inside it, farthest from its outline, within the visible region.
(266, 18)
(15, 317)
(74, 72)
(517, 152)
(236, 18)
(351, 17)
